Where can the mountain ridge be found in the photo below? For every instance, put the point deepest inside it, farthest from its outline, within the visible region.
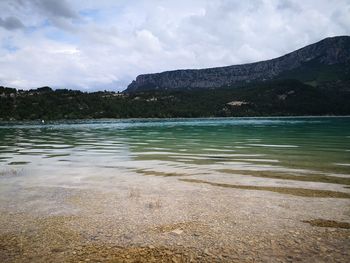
(326, 53)
(314, 80)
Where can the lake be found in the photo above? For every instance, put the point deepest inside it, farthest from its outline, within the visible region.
(197, 188)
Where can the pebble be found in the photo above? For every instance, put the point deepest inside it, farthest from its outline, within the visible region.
(177, 231)
(323, 249)
(206, 251)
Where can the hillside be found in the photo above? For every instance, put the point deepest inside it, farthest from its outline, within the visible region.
(326, 60)
(314, 80)
(272, 98)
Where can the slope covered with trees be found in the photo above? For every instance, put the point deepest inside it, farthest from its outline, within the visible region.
(274, 98)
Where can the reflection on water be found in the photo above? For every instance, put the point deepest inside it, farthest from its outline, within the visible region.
(307, 144)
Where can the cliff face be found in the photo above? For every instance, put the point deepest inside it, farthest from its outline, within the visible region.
(326, 53)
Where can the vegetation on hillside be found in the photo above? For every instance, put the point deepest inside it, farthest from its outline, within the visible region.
(275, 98)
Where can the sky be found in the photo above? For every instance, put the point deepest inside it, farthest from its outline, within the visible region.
(104, 44)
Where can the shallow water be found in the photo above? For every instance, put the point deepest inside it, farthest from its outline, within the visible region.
(284, 144)
(70, 191)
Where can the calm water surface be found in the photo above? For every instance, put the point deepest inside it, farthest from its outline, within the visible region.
(299, 145)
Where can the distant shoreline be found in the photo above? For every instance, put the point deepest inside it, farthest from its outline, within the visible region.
(128, 120)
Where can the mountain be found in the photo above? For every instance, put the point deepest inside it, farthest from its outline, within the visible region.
(269, 98)
(324, 61)
(314, 80)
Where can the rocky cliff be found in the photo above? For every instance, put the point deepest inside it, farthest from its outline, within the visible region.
(323, 54)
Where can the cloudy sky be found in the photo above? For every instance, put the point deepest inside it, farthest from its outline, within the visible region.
(104, 44)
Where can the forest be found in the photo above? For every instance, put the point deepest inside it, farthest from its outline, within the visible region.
(286, 97)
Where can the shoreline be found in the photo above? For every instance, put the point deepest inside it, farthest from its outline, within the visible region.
(145, 120)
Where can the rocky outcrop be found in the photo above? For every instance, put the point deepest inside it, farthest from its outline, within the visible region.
(330, 51)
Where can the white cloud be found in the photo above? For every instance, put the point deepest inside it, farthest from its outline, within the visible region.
(105, 44)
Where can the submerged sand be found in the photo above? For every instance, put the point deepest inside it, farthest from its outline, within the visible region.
(139, 217)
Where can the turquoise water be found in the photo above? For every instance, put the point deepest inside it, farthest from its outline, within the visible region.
(298, 145)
